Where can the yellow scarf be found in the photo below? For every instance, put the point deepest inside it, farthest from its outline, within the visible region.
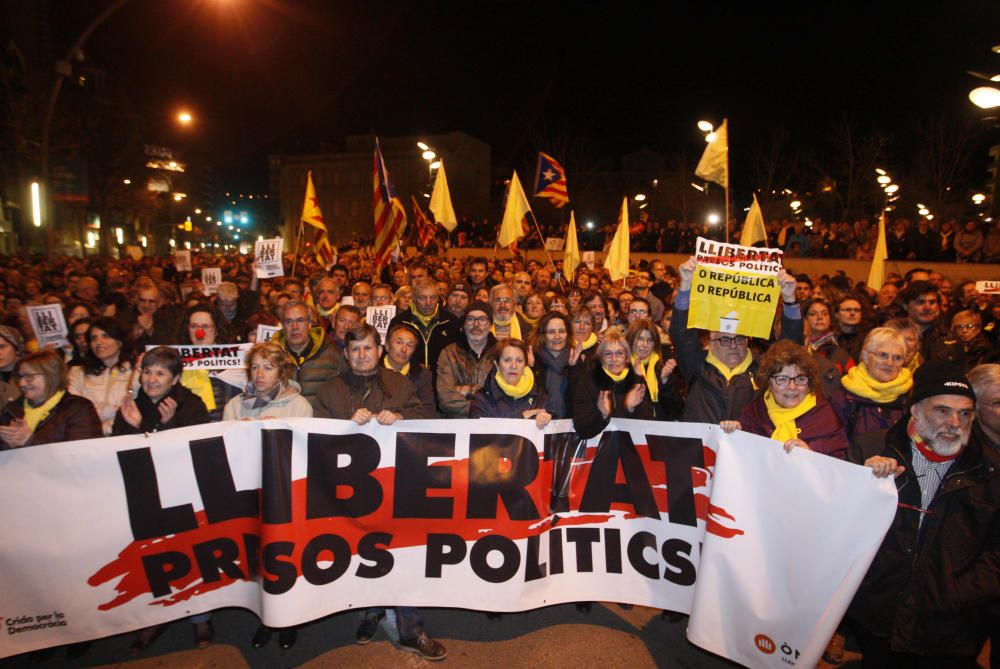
(784, 419)
(35, 415)
(405, 371)
(648, 368)
(515, 328)
(617, 378)
(519, 389)
(424, 320)
(591, 342)
(530, 321)
(724, 370)
(326, 314)
(200, 383)
(861, 383)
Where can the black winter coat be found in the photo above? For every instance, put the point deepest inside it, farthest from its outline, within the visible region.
(190, 411)
(71, 419)
(587, 419)
(492, 402)
(925, 590)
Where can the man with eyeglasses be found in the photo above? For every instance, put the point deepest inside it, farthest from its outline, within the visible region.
(463, 366)
(506, 321)
(436, 326)
(720, 380)
(921, 604)
(643, 288)
(637, 308)
(922, 302)
(315, 359)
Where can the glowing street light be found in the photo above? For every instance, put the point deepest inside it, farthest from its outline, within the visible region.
(713, 218)
(640, 197)
(127, 182)
(923, 211)
(184, 117)
(986, 97)
(429, 155)
(892, 188)
(710, 137)
(879, 171)
(884, 179)
(36, 204)
(795, 204)
(705, 126)
(978, 198)
(436, 165)
(422, 146)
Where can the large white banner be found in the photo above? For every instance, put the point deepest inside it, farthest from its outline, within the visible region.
(295, 519)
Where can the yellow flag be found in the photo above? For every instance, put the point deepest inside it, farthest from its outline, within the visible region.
(753, 228)
(571, 252)
(310, 209)
(517, 208)
(616, 261)
(441, 207)
(876, 275)
(714, 163)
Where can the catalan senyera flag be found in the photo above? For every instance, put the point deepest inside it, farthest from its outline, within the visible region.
(312, 215)
(441, 206)
(425, 228)
(511, 227)
(550, 180)
(617, 259)
(876, 275)
(714, 163)
(390, 217)
(571, 252)
(753, 228)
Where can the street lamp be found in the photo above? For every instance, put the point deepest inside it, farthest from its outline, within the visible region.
(422, 146)
(713, 218)
(184, 117)
(705, 126)
(978, 198)
(985, 97)
(640, 197)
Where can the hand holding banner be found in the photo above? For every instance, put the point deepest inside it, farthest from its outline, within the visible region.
(735, 288)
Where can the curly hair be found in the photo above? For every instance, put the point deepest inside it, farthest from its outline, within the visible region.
(782, 354)
(274, 354)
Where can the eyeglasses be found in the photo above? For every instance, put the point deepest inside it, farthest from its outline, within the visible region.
(503, 300)
(617, 353)
(26, 377)
(781, 381)
(296, 321)
(638, 312)
(966, 326)
(738, 340)
(886, 357)
(477, 320)
(850, 310)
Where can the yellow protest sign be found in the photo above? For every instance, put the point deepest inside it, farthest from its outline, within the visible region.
(735, 288)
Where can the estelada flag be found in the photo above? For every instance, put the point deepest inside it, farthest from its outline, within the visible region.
(312, 215)
(425, 229)
(550, 180)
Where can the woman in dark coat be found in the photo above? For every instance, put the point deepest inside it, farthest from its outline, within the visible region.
(609, 388)
(791, 409)
(556, 353)
(649, 362)
(873, 394)
(513, 392)
(46, 413)
(162, 403)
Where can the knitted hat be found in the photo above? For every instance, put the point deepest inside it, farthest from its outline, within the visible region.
(939, 378)
(459, 288)
(13, 337)
(478, 305)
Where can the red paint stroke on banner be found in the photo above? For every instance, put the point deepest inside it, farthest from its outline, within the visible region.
(406, 532)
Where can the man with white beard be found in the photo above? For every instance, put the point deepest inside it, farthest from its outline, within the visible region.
(921, 602)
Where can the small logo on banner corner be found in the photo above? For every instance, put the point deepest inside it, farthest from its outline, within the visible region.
(765, 644)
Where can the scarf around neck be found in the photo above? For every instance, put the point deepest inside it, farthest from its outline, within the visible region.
(860, 382)
(925, 450)
(617, 378)
(519, 389)
(405, 371)
(33, 416)
(424, 320)
(724, 370)
(590, 342)
(784, 419)
(647, 369)
(515, 328)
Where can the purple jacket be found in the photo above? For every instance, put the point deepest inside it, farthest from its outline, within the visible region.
(819, 427)
(859, 416)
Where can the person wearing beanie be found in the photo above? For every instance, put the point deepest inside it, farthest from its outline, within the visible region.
(464, 366)
(458, 299)
(922, 600)
(11, 348)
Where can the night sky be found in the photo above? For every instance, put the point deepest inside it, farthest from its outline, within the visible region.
(267, 76)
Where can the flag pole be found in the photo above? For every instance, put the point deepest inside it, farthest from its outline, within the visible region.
(298, 240)
(728, 179)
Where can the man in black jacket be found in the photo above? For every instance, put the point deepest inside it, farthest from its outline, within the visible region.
(921, 602)
(923, 307)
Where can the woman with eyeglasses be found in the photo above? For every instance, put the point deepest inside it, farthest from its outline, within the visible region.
(46, 413)
(873, 394)
(791, 409)
(201, 327)
(968, 327)
(610, 388)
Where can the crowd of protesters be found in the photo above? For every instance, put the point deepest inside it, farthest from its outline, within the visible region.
(904, 380)
(973, 240)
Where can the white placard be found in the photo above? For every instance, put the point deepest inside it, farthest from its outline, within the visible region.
(48, 324)
(988, 287)
(266, 332)
(380, 317)
(182, 261)
(211, 277)
(554, 243)
(268, 258)
(588, 259)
